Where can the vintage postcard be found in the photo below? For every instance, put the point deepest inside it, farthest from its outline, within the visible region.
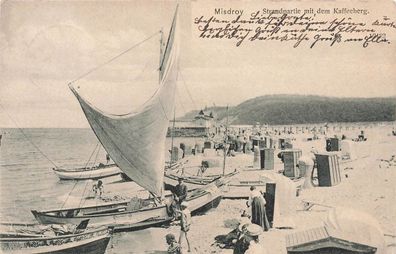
(161, 126)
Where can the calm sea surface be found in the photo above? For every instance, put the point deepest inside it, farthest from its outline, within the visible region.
(27, 180)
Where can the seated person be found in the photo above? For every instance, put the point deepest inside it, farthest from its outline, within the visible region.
(180, 191)
(203, 168)
(98, 188)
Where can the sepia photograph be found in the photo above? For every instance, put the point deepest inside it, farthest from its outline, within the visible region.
(197, 126)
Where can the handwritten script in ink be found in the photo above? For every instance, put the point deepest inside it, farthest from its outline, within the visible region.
(296, 27)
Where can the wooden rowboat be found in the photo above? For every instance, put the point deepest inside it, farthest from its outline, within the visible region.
(27, 240)
(196, 182)
(97, 172)
(132, 215)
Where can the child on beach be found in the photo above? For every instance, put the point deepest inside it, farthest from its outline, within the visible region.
(98, 188)
(174, 247)
(185, 222)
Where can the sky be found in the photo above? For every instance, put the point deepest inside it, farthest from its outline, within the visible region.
(46, 44)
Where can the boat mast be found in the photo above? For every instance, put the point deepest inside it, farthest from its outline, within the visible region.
(225, 143)
(161, 52)
(159, 76)
(172, 133)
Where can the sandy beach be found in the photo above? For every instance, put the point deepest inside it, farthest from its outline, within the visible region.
(367, 185)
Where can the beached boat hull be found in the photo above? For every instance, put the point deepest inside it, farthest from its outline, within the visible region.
(212, 204)
(85, 174)
(196, 182)
(241, 190)
(118, 216)
(122, 219)
(172, 180)
(90, 242)
(239, 186)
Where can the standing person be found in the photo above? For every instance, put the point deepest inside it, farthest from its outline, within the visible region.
(244, 144)
(174, 247)
(231, 148)
(257, 203)
(180, 191)
(237, 144)
(107, 158)
(185, 222)
(313, 156)
(183, 148)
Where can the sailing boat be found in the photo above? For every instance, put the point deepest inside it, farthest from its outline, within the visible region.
(136, 143)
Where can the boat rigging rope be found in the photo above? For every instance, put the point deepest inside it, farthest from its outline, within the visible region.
(89, 159)
(188, 91)
(180, 101)
(82, 200)
(97, 147)
(96, 157)
(189, 94)
(115, 57)
(163, 109)
(26, 137)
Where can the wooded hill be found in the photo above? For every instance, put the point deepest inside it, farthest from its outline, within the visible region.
(299, 109)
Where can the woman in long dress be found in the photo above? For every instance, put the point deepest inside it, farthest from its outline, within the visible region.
(257, 204)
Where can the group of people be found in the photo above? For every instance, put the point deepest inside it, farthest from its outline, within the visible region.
(248, 232)
(248, 241)
(238, 144)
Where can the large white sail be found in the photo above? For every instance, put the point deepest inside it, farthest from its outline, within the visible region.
(136, 141)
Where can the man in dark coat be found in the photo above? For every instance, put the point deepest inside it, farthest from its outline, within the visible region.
(180, 192)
